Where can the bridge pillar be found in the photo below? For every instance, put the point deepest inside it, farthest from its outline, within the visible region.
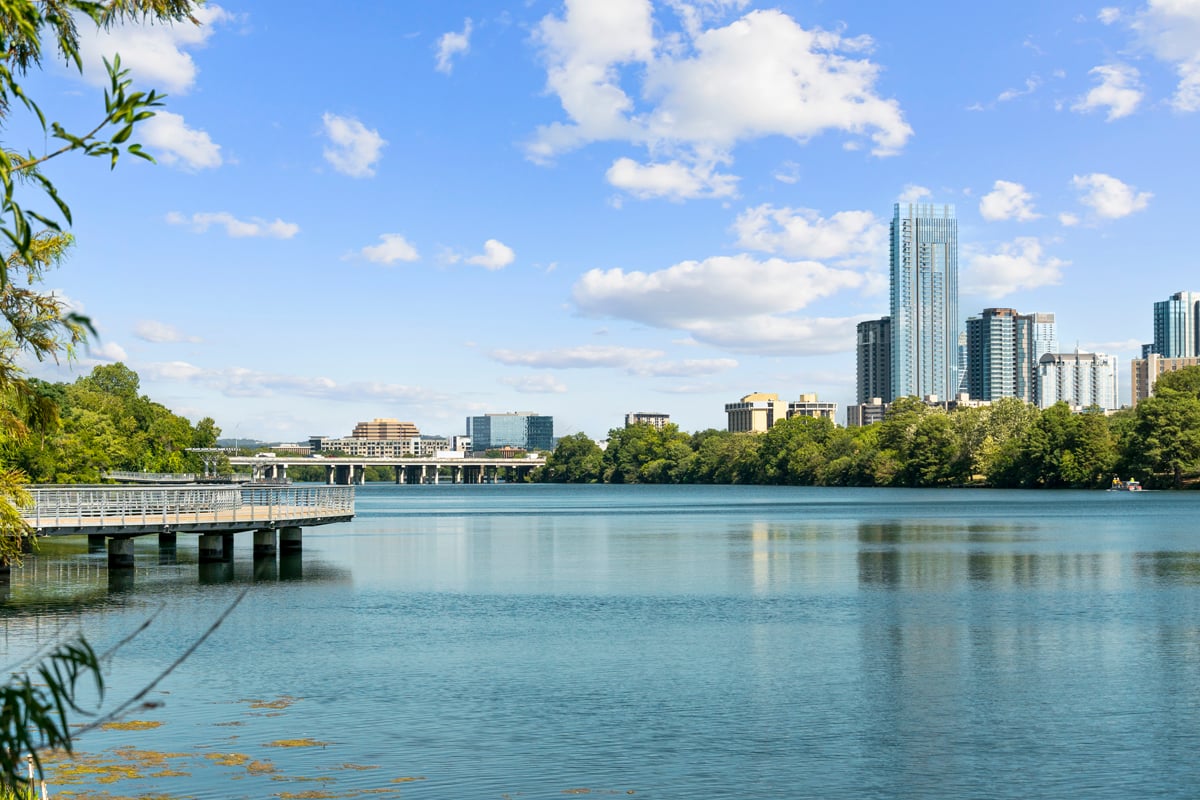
(457, 473)
(120, 553)
(227, 547)
(399, 475)
(166, 548)
(264, 543)
(165, 541)
(210, 548)
(330, 478)
(95, 542)
(290, 540)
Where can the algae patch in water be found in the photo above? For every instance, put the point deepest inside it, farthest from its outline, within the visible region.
(131, 725)
(297, 743)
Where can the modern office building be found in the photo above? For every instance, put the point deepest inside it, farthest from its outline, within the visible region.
(924, 300)
(867, 413)
(1081, 380)
(809, 406)
(519, 429)
(1003, 352)
(658, 420)
(1144, 373)
(755, 413)
(385, 429)
(874, 359)
(1177, 326)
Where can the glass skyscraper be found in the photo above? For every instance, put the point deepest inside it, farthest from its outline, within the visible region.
(1004, 349)
(1177, 326)
(519, 429)
(924, 300)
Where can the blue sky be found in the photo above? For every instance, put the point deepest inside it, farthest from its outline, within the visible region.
(430, 210)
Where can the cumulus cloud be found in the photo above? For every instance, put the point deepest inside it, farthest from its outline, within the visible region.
(392, 247)
(1171, 30)
(173, 142)
(1068, 220)
(156, 55)
(1119, 91)
(107, 351)
(737, 302)
(1109, 197)
(354, 149)
(1007, 200)
(234, 227)
(913, 193)
(585, 357)
(495, 255)
(452, 44)
(847, 236)
(149, 330)
(693, 102)
(674, 180)
(1020, 264)
(535, 384)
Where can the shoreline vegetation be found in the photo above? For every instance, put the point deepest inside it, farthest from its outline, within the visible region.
(1009, 444)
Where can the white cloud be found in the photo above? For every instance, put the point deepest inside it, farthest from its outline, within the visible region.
(733, 301)
(535, 384)
(1109, 197)
(674, 180)
(175, 143)
(392, 248)
(1068, 220)
(149, 330)
(1007, 200)
(496, 255)
(108, 351)
(803, 233)
(914, 194)
(1031, 85)
(155, 54)
(694, 104)
(1119, 91)
(354, 148)
(237, 228)
(1108, 15)
(585, 357)
(452, 44)
(1171, 30)
(1020, 264)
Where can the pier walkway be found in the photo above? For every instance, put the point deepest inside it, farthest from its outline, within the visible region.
(112, 516)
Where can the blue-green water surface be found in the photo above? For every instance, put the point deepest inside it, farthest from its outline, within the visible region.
(663, 642)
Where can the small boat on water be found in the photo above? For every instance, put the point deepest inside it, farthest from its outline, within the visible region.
(1119, 485)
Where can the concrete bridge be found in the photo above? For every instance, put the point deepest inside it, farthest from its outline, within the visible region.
(113, 516)
(350, 470)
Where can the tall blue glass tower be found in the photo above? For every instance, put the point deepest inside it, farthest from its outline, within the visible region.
(1177, 326)
(924, 300)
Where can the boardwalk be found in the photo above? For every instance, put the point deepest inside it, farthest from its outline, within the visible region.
(112, 516)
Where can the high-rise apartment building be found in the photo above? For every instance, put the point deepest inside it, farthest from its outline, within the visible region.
(1177, 326)
(924, 300)
(655, 418)
(1081, 380)
(1144, 373)
(1003, 351)
(520, 429)
(874, 359)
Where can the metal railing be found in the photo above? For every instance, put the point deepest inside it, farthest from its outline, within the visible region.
(151, 477)
(136, 505)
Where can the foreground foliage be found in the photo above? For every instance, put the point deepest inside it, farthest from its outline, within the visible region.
(1007, 444)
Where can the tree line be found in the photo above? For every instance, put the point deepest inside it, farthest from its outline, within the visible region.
(1009, 443)
(97, 424)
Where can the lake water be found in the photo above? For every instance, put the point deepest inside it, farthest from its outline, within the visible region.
(660, 642)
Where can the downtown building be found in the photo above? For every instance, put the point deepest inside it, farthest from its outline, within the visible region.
(1081, 380)
(521, 430)
(1144, 373)
(655, 419)
(924, 302)
(874, 358)
(1004, 349)
(1177, 326)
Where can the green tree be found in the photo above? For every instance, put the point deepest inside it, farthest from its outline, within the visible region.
(1165, 440)
(576, 459)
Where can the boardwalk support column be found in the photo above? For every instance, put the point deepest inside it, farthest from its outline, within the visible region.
(227, 547)
(166, 541)
(264, 543)
(120, 553)
(210, 549)
(290, 540)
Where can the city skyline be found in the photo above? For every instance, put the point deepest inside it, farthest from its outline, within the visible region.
(586, 208)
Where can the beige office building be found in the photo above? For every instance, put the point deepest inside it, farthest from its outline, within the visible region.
(385, 429)
(809, 406)
(755, 413)
(1144, 372)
